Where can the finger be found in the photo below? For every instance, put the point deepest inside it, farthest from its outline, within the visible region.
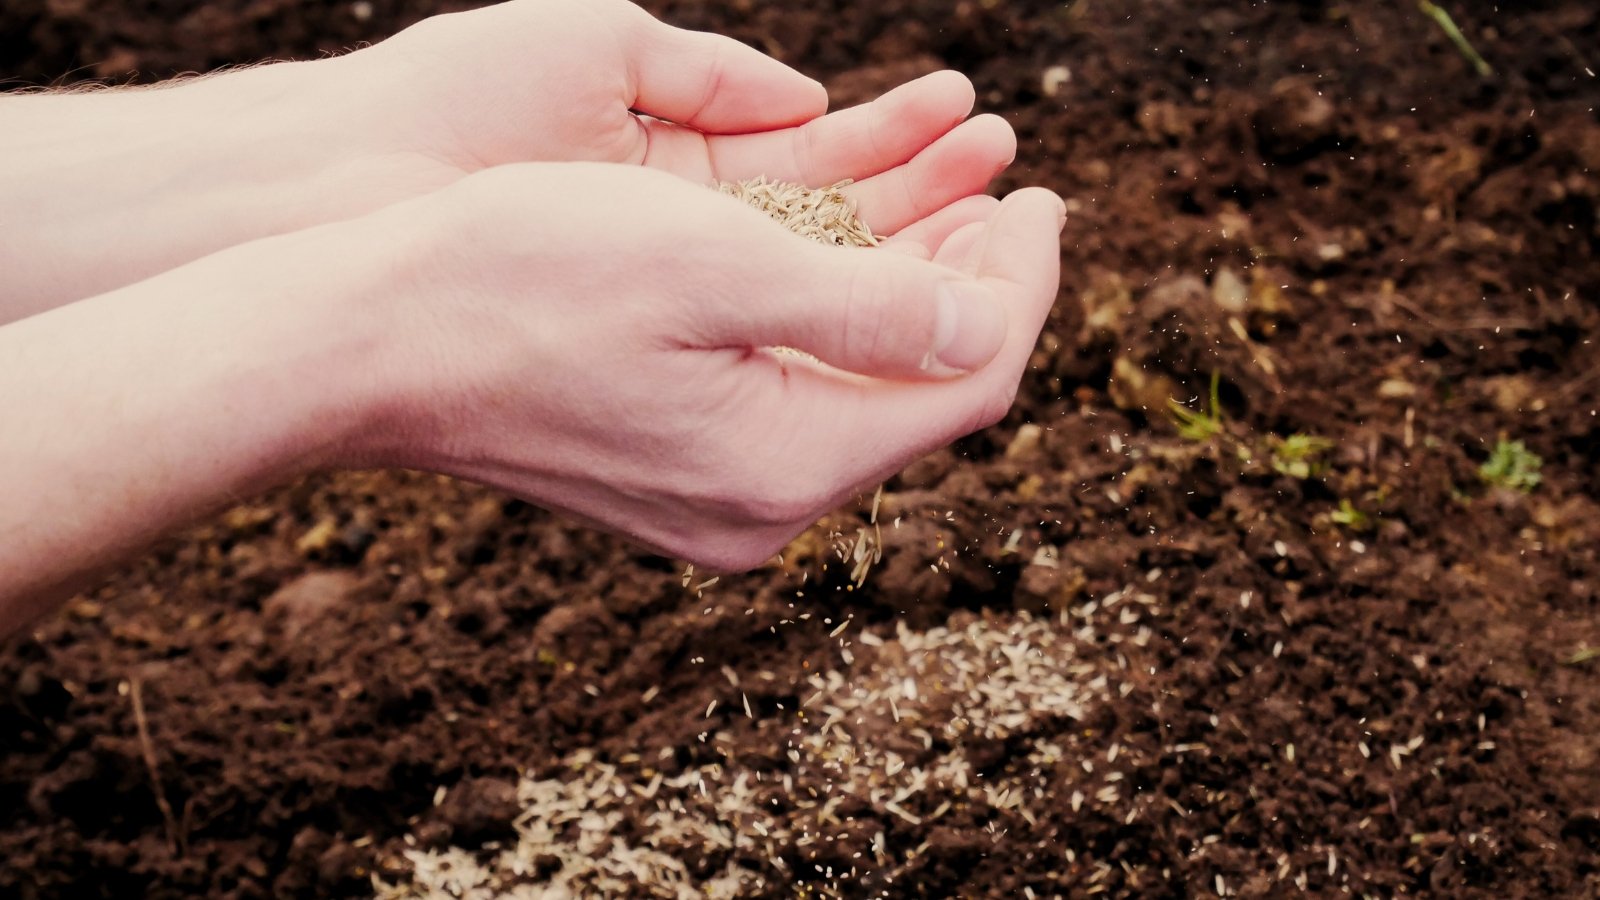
(1019, 256)
(713, 83)
(960, 250)
(1020, 259)
(883, 315)
(853, 143)
(924, 238)
(957, 165)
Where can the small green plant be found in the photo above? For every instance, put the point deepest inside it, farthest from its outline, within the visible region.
(1448, 25)
(1299, 455)
(1350, 517)
(1584, 655)
(1203, 425)
(1512, 465)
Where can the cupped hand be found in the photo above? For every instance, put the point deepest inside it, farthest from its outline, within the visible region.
(598, 339)
(225, 160)
(603, 81)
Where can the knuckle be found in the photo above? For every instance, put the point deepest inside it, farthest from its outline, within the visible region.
(872, 329)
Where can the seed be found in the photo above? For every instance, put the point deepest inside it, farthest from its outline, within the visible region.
(824, 215)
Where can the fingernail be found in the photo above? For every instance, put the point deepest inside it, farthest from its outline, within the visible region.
(969, 329)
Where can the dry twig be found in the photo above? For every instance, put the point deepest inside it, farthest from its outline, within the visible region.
(176, 843)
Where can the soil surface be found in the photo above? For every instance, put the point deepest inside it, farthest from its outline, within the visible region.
(1099, 657)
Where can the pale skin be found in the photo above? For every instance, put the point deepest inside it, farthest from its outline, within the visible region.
(486, 248)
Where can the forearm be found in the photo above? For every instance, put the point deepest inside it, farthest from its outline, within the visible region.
(101, 189)
(136, 411)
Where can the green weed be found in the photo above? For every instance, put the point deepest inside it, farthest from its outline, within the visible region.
(1512, 465)
(1350, 517)
(1448, 26)
(1299, 455)
(1584, 655)
(1203, 425)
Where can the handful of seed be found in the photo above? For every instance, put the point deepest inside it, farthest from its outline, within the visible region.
(824, 215)
(827, 216)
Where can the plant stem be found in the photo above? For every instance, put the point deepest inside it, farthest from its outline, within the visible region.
(1448, 26)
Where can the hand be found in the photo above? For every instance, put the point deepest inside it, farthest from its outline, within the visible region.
(107, 188)
(591, 338)
(603, 81)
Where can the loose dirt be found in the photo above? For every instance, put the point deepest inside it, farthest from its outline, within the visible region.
(1096, 658)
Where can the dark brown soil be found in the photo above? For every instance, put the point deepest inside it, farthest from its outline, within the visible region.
(1319, 201)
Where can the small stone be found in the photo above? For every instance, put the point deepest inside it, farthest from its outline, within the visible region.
(1297, 121)
(1133, 387)
(1054, 79)
(480, 809)
(308, 598)
(1397, 389)
(318, 537)
(1025, 442)
(1230, 291)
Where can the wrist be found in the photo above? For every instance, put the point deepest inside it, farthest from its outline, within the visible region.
(331, 347)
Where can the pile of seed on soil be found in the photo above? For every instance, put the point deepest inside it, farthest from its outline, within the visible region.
(1098, 658)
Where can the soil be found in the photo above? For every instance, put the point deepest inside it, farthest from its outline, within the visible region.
(1127, 663)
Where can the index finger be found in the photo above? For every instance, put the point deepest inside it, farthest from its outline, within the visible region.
(710, 82)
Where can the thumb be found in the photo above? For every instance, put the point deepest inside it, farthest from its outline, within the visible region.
(885, 315)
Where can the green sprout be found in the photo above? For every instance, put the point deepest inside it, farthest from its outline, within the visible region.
(1512, 465)
(1202, 426)
(1299, 455)
(1350, 517)
(1583, 655)
(1448, 26)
